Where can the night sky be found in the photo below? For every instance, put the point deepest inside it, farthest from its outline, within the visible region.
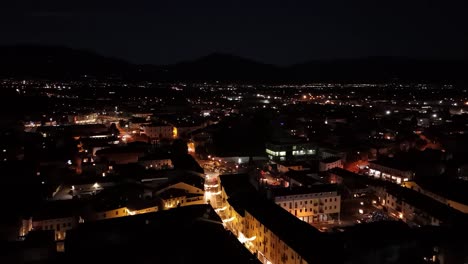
(280, 32)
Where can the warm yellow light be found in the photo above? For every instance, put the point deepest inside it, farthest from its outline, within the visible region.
(228, 220)
(191, 147)
(130, 212)
(221, 209)
(174, 132)
(244, 239)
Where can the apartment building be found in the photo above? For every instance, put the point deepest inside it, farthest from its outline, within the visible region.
(312, 204)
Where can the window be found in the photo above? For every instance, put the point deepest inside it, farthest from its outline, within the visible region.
(300, 210)
(300, 202)
(305, 202)
(335, 206)
(64, 224)
(335, 199)
(104, 215)
(58, 227)
(116, 212)
(284, 204)
(325, 208)
(325, 200)
(69, 224)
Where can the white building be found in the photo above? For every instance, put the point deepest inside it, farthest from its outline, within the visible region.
(317, 203)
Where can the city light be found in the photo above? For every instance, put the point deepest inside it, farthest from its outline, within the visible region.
(221, 209)
(244, 239)
(229, 220)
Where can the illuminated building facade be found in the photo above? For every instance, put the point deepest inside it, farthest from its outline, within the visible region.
(319, 203)
(175, 197)
(60, 226)
(124, 211)
(394, 173)
(268, 231)
(156, 163)
(416, 208)
(290, 151)
(160, 131)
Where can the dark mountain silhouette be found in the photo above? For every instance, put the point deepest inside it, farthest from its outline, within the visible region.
(60, 62)
(377, 69)
(219, 66)
(54, 61)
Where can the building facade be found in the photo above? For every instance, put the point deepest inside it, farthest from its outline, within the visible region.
(60, 226)
(290, 151)
(311, 206)
(390, 173)
(266, 230)
(330, 163)
(156, 164)
(161, 131)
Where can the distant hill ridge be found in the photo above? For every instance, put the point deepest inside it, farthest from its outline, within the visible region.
(62, 62)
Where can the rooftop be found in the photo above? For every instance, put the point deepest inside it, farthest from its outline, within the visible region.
(185, 177)
(235, 184)
(439, 210)
(330, 159)
(302, 177)
(57, 209)
(173, 193)
(179, 230)
(155, 156)
(300, 236)
(120, 150)
(393, 163)
(158, 124)
(318, 188)
(451, 189)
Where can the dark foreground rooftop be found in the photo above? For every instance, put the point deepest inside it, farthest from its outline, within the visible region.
(192, 234)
